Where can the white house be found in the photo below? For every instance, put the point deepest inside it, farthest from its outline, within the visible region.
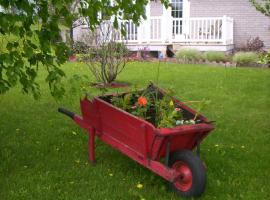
(207, 25)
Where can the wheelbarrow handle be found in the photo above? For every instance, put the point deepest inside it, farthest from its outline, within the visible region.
(66, 112)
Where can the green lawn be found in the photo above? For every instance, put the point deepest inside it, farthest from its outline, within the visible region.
(43, 154)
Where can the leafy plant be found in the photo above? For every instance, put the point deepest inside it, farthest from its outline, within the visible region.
(265, 59)
(201, 106)
(30, 37)
(216, 56)
(148, 105)
(167, 114)
(263, 6)
(188, 55)
(254, 44)
(245, 58)
(122, 102)
(80, 48)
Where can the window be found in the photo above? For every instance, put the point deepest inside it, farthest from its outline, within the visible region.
(177, 8)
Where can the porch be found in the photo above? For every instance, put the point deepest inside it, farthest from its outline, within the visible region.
(160, 32)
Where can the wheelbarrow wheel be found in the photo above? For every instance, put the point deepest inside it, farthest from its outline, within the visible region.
(192, 179)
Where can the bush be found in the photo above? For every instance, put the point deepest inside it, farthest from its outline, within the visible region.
(216, 56)
(252, 45)
(245, 58)
(79, 48)
(106, 60)
(265, 59)
(188, 55)
(255, 44)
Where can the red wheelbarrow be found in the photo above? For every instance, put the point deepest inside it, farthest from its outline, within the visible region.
(165, 151)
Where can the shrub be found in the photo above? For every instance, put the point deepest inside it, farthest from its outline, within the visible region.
(188, 55)
(245, 58)
(265, 59)
(80, 47)
(107, 60)
(216, 56)
(255, 44)
(252, 44)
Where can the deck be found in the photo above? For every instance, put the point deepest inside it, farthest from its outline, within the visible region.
(202, 33)
(159, 33)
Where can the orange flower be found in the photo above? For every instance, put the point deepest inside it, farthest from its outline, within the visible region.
(142, 101)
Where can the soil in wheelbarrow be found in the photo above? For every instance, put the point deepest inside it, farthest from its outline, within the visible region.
(154, 106)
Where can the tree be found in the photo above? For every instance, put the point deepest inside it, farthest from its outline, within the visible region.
(263, 6)
(30, 37)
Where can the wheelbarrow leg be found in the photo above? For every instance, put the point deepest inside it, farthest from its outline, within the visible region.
(91, 145)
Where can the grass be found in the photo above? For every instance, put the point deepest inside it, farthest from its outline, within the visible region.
(44, 154)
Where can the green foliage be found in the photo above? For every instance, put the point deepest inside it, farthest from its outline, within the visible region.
(123, 102)
(245, 58)
(265, 59)
(199, 106)
(263, 6)
(188, 55)
(216, 56)
(30, 34)
(166, 113)
(161, 112)
(80, 48)
(30, 40)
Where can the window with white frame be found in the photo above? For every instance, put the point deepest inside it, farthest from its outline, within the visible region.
(177, 8)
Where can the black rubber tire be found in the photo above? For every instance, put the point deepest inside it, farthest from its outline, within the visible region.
(197, 169)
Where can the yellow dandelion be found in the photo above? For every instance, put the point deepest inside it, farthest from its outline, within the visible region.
(110, 174)
(216, 145)
(171, 103)
(74, 133)
(139, 185)
(242, 146)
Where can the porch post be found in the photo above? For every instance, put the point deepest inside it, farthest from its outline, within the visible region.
(147, 24)
(139, 32)
(166, 31)
(224, 30)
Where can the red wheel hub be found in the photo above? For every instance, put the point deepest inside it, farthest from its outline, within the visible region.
(184, 181)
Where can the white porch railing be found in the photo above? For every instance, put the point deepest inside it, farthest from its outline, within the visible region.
(172, 30)
(218, 29)
(132, 31)
(148, 31)
(155, 29)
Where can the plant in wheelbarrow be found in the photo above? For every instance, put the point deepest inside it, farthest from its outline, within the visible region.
(153, 128)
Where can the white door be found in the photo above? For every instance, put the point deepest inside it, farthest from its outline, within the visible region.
(180, 10)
